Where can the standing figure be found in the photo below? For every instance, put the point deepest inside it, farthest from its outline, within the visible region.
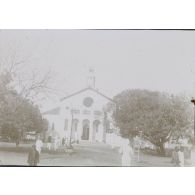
(59, 142)
(38, 145)
(181, 157)
(33, 156)
(127, 153)
(49, 143)
(174, 158)
(63, 141)
(55, 144)
(76, 137)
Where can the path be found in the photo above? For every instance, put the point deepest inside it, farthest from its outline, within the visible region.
(85, 154)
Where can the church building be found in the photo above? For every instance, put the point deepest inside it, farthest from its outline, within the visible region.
(82, 115)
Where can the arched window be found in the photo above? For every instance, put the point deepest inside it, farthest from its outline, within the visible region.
(75, 124)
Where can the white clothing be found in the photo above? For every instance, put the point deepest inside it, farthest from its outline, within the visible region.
(127, 153)
(39, 145)
(56, 144)
(181, 158)
(49, 146)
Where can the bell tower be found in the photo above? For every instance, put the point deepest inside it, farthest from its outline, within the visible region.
(91, 78)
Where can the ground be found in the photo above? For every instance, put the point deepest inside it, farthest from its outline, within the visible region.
(84, 154)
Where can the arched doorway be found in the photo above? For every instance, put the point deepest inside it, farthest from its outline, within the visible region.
(74, 132)
(85, 134)
(96, 124)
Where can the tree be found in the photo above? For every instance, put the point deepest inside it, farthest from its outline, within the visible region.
(29, 82)
(18, 114)
(158, 115)
(22, 85)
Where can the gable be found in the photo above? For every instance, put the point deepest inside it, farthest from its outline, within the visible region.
(85, 100)
(88, 89)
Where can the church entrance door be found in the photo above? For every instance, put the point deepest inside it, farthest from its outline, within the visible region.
(85, 135)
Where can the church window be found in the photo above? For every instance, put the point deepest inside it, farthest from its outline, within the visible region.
(96, 129)
(65, 124)
(88, 101)
(107, 124)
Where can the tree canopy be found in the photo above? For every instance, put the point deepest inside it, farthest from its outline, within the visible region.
(17, 114)
(157, 115)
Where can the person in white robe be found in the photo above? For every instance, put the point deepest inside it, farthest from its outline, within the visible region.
(127, 153)
(39, 145)
(181, 157)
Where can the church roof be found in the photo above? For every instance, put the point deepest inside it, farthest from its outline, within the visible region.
(54, 111)
(86, 89)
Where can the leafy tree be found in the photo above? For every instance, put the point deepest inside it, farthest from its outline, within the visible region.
(158, 116)
(17, 114)
(20, 86)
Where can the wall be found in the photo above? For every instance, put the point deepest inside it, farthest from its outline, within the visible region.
(92, 113)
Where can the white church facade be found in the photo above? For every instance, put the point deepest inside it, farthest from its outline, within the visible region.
(82, 115)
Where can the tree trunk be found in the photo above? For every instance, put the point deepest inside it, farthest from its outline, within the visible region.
(161, 149)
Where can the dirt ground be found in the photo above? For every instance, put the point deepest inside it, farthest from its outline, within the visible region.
(84, 154)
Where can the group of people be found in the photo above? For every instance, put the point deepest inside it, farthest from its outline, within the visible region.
(179, 155)
(54, 143)
(34, 153)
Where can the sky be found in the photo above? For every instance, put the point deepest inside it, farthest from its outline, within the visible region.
(122, 59)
